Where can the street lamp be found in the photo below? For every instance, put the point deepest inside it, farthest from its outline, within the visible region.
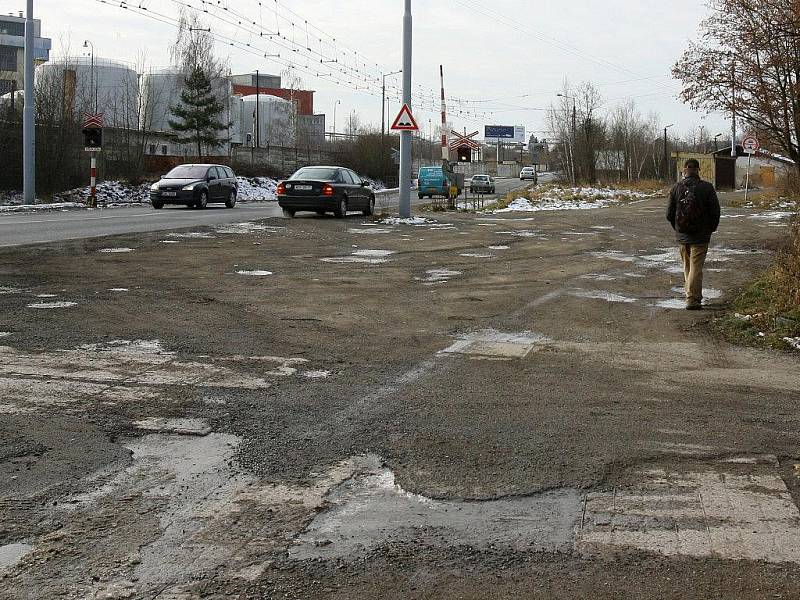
(574, 129)
(337, 103)
(383, 102)
(666, 158)
(88, 44)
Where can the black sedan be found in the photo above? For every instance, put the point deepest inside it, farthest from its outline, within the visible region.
(325, 189)
(196, 186)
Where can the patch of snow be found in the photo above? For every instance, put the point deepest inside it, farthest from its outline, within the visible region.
(438, 276)
(128, 346)
(4, 290)
(5, 334)
(602, 295)
(416, 221)
(355, 259)
(603, 227)
(257, 189)
(170, 242)
(52, 305)
(369, 231)
(773, 215)
(499, 247)
(316, 374)
(374, 253)
(708, 293)
(192, 235)
(47, 295)
(254, 273)
(523, 233)
(476, 255)
(116, 250)
(118, 290)
(793, 342)
(598, 277)
(245, 228)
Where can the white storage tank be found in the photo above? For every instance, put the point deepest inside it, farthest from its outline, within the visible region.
(276, 118)
(237, 134)
(112, 85)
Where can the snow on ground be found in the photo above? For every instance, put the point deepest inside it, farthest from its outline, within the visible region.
(793, 342)
(578, 198)
(410, 221)
(118, 193)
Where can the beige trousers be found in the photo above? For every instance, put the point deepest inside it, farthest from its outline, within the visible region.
(694, 257)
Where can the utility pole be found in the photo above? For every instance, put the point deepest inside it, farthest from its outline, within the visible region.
(383, 105)
(405, 136)
(28, 123)
(734, 152)
(258, 109)
(666, 156)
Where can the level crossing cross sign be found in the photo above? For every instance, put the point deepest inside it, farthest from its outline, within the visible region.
(464, 141)
(93, 121)
(405, 121)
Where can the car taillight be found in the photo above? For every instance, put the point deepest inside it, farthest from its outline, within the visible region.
(281, 189)
(328, 190)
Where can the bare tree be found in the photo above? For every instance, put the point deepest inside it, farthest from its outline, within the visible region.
(748, 62)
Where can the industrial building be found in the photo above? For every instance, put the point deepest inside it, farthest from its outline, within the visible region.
(12, 51)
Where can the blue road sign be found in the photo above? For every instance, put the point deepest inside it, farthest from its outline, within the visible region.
(499, 132)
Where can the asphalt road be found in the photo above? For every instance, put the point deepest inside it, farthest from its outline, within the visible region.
(21, 229)
(481, 406)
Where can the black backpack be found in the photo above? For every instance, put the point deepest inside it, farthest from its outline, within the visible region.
(689, 213)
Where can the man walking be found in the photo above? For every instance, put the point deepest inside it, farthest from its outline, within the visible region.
(694, 213)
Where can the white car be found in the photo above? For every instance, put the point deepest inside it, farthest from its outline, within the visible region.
(528, 173)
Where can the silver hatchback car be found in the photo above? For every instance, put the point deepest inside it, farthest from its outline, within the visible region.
(529, 173)
(482, 184)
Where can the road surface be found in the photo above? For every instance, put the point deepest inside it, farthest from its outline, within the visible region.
(18, 229)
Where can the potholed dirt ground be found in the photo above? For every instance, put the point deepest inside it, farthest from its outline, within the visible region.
(495, 406)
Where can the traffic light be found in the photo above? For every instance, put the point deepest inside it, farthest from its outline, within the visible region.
(464, 154)
(93, 138)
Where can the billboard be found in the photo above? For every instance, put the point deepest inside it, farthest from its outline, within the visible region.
(510, 133)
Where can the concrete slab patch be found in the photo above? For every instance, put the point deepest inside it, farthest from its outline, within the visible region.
(176, 426)
(11, 554)
(495, 344)
(743, 513)
(370, 509)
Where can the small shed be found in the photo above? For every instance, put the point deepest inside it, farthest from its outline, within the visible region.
(716, 168)
(766, 168)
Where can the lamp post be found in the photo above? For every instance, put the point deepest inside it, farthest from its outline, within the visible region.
(716, 137)
(666, 156)
(337, 103)
(383, 102)
(574, 130)
(28, 113)
(88, 44)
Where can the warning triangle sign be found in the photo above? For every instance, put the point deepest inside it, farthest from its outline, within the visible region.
(405, 120)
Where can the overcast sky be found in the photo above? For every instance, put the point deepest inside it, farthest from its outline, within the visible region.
(508, 56)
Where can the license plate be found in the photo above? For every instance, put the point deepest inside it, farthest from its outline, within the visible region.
(304, 188)
(170, 194)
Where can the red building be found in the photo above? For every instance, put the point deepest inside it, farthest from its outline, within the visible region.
(304, 99)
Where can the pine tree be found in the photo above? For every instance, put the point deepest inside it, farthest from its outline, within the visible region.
(198, 112)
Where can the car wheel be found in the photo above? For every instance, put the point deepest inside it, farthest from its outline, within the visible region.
(202, 203)
(288, 212)
(341, 209)
(157, 204)
(231, 200)
(371, 208)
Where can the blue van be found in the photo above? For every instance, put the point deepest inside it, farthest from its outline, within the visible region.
(433, 181)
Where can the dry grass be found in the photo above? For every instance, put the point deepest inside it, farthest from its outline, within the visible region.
(769, 310)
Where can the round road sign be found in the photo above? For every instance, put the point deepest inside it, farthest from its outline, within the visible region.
(751, 144)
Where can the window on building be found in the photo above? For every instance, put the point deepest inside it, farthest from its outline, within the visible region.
(12, 28)
(164, 150)
(8, 58)
(152, 148)
(6, 86)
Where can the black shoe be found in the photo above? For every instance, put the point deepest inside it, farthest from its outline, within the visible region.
(694, 306)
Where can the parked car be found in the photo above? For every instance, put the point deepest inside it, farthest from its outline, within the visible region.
(482, 184)
(529, 173)
(196, 186)
(325, 189)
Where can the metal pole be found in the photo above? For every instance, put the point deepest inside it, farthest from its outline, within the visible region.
(94, 88)
(734, 152)
(28, 115)
(405, 136)
(258, 109)
(666, 160)
(574, 138)
(383, 113)
(747, 183)
(93, 200)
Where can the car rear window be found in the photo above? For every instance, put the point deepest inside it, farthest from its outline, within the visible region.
(317, 174)
(187, 172)
(430, 172)
(480, 178)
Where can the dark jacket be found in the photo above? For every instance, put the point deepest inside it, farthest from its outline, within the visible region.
(707, 195)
